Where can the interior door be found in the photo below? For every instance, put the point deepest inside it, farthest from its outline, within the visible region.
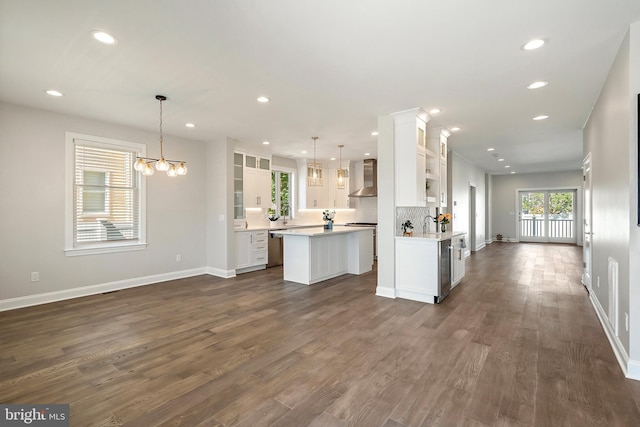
(586, 248)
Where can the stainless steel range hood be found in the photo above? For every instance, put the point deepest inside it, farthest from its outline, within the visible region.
(370, 188)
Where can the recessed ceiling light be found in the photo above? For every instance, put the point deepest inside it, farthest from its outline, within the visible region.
(507, 166)
(434, 111)
(540, 117)
(533, 44)
(537, 85)
(105, 38)
(454, 129)
(332, 158)
(490, 149)
(265, 143)
(53, 92)
(513, 172)
(263, 99)
(367, 154)
(304, 151)
(190, 125)
(374, 133)
(501, 159)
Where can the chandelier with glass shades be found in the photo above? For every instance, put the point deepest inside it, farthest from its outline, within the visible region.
(145, 164)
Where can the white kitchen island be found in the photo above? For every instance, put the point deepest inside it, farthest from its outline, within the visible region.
(314, 254)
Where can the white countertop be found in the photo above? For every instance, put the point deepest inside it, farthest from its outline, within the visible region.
(433, 236)
(320, 231)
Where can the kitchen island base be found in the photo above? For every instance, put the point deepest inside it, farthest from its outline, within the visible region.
(314, 255)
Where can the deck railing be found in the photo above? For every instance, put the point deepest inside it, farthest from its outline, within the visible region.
(558, 227)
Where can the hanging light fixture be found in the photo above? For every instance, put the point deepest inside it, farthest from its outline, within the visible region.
(314, 170)
(341, 174)
(145, 164)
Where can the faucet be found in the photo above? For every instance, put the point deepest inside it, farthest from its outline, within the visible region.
(424, 223)
(285, 208)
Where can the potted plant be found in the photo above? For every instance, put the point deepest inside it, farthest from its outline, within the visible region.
(444, 219)
(407, 228)
(327, 217)
(272, 215)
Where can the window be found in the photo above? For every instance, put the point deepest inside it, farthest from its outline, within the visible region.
(105, 196)
(282, 192)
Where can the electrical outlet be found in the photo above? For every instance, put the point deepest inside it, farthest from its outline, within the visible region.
(598, 281)
(178, 258)
(35, 276)
(626, 322)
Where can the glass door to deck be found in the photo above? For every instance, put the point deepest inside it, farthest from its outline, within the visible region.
(547, 216)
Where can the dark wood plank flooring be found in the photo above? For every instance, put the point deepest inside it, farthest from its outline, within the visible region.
(516, 344)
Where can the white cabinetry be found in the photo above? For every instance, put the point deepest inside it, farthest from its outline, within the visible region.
(311, 196)
(436, 167)
(417, 269)
(410, 157)
(444, 185)
(257, 177)
(251, 250)
(457, 263)
(338, 197)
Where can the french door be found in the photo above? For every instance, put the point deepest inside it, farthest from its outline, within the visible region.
(547, 216)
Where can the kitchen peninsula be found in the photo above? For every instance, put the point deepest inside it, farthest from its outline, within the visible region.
(314, 254)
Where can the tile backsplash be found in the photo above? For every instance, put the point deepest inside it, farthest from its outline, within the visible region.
(363, 209)
(416, 215)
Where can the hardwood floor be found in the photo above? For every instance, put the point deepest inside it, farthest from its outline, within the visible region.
(516, 344)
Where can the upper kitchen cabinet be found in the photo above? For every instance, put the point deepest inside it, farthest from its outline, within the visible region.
(411, 153)
(338, 189)
(238, 186)
(436, 168)
(312, 185)
(256, 181)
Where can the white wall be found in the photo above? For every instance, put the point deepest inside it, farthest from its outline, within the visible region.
(465, 174)
(386, 208)
(610, 136)
(634, 236)
(503, 197)
(32, 185)
(219, 197)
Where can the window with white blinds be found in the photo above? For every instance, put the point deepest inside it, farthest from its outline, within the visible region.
(106, 194)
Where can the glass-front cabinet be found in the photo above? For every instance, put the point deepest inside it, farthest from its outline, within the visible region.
(238, 186)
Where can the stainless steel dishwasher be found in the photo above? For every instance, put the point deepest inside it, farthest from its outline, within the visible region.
(275, 248)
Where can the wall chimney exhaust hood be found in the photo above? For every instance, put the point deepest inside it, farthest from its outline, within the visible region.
(370, 188)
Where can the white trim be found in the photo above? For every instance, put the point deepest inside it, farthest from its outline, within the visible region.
(218, 272)
(45, 298)
(94, 250)
(616, 345)
(480, 246)
(383, 291)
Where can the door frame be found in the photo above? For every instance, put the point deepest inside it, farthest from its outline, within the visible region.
(577, 209)
(587, 248)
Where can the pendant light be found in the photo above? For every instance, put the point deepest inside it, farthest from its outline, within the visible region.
(341, 174)
(314, 170)
(145, 164)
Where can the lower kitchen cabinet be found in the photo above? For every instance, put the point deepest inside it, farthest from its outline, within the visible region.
(457, 261)
(251, 250)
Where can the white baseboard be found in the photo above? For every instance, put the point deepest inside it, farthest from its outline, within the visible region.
(45, 298)
(480, 246)
(382, 291)
(218, 272)
(488, 242)
(616, 345)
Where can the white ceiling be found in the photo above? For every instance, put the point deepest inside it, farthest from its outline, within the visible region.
(330, 67)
